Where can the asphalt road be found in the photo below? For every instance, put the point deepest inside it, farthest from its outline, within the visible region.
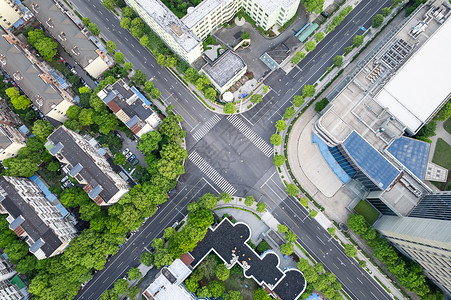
(231, 153)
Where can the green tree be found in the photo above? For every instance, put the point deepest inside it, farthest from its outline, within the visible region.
(444, 113)
(313, 213)
(287, 249)
(377, 20)
(338, 61)
(18, 101)
(331, 230)
(347, 50)
(289, 112)
(191, 75)
(276, 139)
(16, 250)
(148, 86)
(85, 117)
(229, 108)
(85, 21)
(290, 236)
(386, 11)
(292, 190)
(146, 259)
(171, 61)
(357, 41)
(108, 4)
(134, 274)
(319, 36)
(261, 207)
(222, 272)
(191, 285)
(216, 288)
(210, 94)
(44, 44)
(350, 250)
(144, 40)
(319, 268)
(310, 46)
(53, 166)
(304, 201)
(127, 12)
(225, 197)
(110, 46)
(133, 292)
(203, 292)
(233, 295)
(249, 201)
(281, 125)
(125, 23)
(245, 35)
(362, 263)
(72, 125)
(357, 224)
(120, 286)
(149, 142)
(303, 264)
(128, 66)
(171, 128)
(161, 59)
(256, 98)
(119, 159)
(26, 265)
(278, 160)
(106, 121)
(73, 112)
(282, 228)
(119, 57)
(94, 29)
(42, 129)
(139, 77)
(261, 294)
(308, 91)
(298, 100)
(320, 105)
(84, 90)
(313, 5)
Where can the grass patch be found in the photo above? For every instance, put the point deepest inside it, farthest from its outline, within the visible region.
(441, 154)
(243, 209)
(367, 211)
(237, 282)
(305, 252)
(447, 125)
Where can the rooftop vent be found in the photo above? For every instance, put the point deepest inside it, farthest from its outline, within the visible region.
(62, 36)
(35, 7)
(2, 59)
(38, 100)
(177, 30)
(50, 23)
(76, 51)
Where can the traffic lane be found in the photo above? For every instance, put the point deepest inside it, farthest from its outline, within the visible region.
(333, 256)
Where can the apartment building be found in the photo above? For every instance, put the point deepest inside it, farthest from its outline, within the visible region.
(428, 242)
(33, 80)
(10, 13)
(8, 289)
(87, 166)
(184, 36)
(131, 107)
(76, 42)
(11, 141)
(33, 218)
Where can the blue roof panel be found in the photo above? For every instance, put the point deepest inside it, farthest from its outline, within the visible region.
(413, 154)
(370, 161)
(141, 96)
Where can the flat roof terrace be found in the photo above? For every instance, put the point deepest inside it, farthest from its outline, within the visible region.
(224, 68)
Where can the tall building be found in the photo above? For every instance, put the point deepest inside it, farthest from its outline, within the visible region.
(87, 166)
(76, 42)
(11, 141)
(362, 130)
(131, 107)
(33, 218)
(33, 80)
(184, 35)
(428, 242)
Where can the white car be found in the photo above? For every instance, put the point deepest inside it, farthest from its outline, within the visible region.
(126, 150)
(128, 155)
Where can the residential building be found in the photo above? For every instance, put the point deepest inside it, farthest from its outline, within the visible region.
(225, 71)
(8, 289)
(10, 13)
(428, 242)
(131, 107)
(6, 269)
(361, 132)
(76, 42)
(87, 166)
(33, 218)
(38, 85)
(184, 36)
(11, 141)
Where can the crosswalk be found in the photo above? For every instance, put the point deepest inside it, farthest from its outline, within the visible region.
(211, 173)
(263, 146)
(201, 132)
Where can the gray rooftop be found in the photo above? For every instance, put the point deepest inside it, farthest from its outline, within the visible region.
(32, 224)
(195, 14)
(33, 86)
(5, 141)
(60, 22)
(224, 68)
(90, 171)
(170, 23)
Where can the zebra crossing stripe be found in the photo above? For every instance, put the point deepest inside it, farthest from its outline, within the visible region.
(211, 173)
(201, 132)
(251, 135)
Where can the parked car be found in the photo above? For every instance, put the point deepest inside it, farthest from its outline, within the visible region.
(126, 150)
(73, 71)
(127, 156)
(131, 158)
(325, 14)
(62, 59)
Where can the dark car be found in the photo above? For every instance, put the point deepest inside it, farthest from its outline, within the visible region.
(325, 14)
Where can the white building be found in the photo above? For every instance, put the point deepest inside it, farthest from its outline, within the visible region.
(11, 141)
(33, 218)
(89, 167)
(8, 291)
(184, 36)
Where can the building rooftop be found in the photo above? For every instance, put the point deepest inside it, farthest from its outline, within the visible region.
(270, 6)
(65, 145)
(69, 35)
(430, 66)
(223, 69)
(195, 14)
(27, 75)
(10, 13)
(27, 219)
(170, 23)
(228, 241)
